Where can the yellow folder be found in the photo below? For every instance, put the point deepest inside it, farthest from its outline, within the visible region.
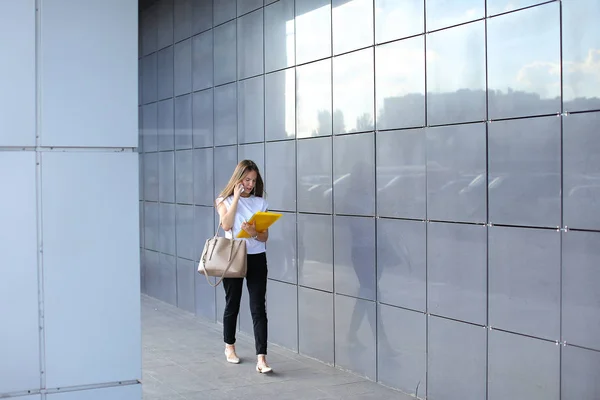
(263, 220)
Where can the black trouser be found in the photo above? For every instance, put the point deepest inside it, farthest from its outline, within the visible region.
(256, 280)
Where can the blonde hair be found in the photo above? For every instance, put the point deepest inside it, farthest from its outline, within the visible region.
(242, 169)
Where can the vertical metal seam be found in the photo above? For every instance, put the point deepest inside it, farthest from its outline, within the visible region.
(333, 217)
(562, 213)
(376, 221)
(487, 204)
(39, 198)
(425, 131)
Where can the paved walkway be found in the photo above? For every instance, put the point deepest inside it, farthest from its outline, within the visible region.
(183, 359)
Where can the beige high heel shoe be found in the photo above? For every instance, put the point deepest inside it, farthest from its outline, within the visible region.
(231, 356)
(262, 367)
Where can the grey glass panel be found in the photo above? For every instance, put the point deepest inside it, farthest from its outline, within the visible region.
(395, 19)
(444, 13)
(457, 271)
(281, 175)
(202, 12)
(401, 179)
(149, 78)
(524, 281)
(151, 227)
(205, 294)
(149, 29)
(202, 118)
(512, 357)
(579, 374)
(355, 335)
(203, 177)
(400, 84)
(580, 295)
(281, 255)
(185, 284)
(279, 35)
(456, 173)
(313, 97)
(401, 263)
(267, 2)
(202, 49)
(502, 6)
(225, 160)
(401, 346)
(167, 228)
(140, 81)
(183, 122)
(456, 75)
(149, 125)
(184, 178)
(315, 251)
(315, 175)
(352, 24)
(256, 153)
(204, 221)
(250, 45)
(165, 73)
(354, 255)
(224, 10)
(456, 360)
(354, 174)
(280, 105)
(166, 125)
(225, 115)
(166, 288)
(225, 53)
(166, 176)
(524, 172)
(251, 110)
(151, 177)
(580, 65)
(183, 19)
(581, 171)
(528, 81)
(315, 322)
(353, 96)
(282, 310)
(183, 67)
(245, 6)
(160, 282)
(313, 30)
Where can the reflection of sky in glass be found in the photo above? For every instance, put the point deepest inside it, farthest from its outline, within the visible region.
(581, 51)
(314, 99)
(395, 19)
(524, 51)
(352, 25)
(444, 13)
(502, 6)
(313, 30)
(290, 103)
(353, 82)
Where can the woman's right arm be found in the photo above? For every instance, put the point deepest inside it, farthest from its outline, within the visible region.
(227, 216)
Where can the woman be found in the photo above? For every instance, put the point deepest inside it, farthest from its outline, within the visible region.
(241, 198)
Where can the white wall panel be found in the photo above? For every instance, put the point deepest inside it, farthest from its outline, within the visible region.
(88, 72)
(17, 73)
(91, 264)
(19, 335)
(129, 392)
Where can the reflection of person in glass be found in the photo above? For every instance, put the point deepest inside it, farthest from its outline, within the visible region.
(237, 203)
(361, 253)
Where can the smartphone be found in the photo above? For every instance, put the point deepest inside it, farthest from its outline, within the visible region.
(242, 188)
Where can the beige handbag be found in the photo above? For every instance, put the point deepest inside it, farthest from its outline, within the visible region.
(223, 258)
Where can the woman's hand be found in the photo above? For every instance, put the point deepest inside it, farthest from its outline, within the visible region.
(250, 229)
(238, 190)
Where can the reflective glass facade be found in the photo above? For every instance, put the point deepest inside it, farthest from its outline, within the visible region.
(437, 164)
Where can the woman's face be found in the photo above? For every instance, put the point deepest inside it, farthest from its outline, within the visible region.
(249, 180)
